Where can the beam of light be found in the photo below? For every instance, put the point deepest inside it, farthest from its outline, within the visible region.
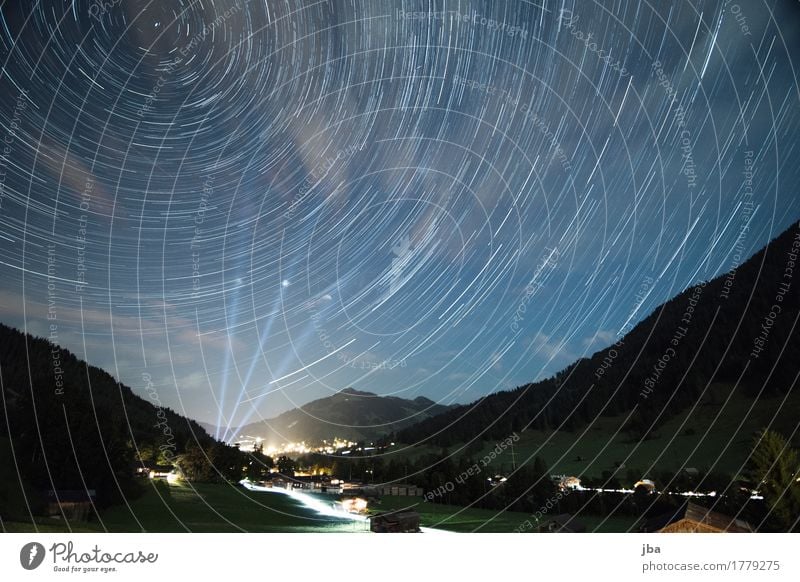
(279, 369)
(227, 362)
(308, 501)
(253, 363)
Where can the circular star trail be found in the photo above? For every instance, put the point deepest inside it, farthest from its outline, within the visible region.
(257, 204)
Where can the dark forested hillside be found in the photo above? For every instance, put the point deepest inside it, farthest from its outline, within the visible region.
(67, 425)
(739, 329)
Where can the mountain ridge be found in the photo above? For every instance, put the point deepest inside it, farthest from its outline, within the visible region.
(710, 332)
(348, 414)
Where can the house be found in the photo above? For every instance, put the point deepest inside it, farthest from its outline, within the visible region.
(401, 489)
(693, 518)
(314, 482)
(71, 504)
(402, 521)
(646, 484)
(497, 480)
(160, 472)
(561, 523)
(152, 470)
(282, 482)
(569, 482)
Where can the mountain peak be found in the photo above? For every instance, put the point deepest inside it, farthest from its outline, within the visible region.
(354, 392)
(350, 414)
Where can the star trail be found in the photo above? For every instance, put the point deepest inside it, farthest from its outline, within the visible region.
(254, 204)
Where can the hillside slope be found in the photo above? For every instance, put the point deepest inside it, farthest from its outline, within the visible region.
(738, 330)
(68, 425)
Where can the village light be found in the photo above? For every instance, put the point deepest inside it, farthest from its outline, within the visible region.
(356, 505)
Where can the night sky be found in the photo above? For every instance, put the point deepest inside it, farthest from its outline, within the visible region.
(262, 203)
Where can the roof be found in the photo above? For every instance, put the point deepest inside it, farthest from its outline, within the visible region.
(698, 514)
(312, 478)
(153, 466)
(396, 515)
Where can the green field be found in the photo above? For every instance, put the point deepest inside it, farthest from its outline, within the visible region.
(460, 519)
(453, 517)
(226, 508)
(707, 438)
(202, 508)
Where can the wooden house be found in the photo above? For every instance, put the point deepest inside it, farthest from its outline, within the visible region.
(401, 489)
(71, 504)
(402, 521)
(693, 518)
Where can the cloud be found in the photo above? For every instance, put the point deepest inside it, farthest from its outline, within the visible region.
(551, 349)
(602, 338)
(87, 332)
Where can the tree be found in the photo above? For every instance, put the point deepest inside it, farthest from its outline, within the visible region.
(258, 465)
(228, 461)
(195, 464)
(286, 466)
(773, 468)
